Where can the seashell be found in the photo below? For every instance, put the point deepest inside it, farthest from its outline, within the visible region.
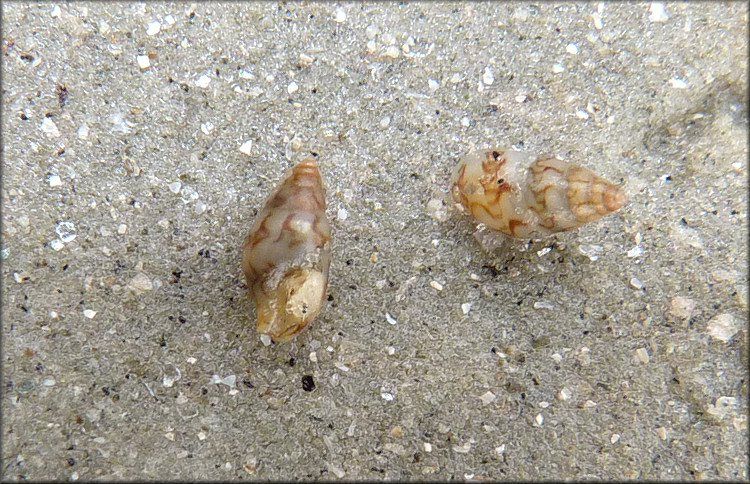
(524, 195)
(287, 254)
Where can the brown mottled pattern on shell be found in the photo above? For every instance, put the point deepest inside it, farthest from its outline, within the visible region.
(591, 197)
(300, 192)
(289, 241)
(549, 195)
(488, 185)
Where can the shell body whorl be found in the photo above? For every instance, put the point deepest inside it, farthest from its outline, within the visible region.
(286, 255)
(522, 195)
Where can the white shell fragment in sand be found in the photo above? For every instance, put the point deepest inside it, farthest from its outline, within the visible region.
(722, 327)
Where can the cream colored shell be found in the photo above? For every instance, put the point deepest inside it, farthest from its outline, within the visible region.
(287, 254)
(523, 195)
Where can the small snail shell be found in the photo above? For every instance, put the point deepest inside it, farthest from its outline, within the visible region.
(287, 254)
(523, 195)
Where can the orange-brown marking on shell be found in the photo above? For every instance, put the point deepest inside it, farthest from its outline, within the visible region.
(493, 161)
(541, 165)
(286, 226)
(513, 223)
(254, 238)
(477, 208)
(465, 201)
(291, 331)
(541, 201)
(491, 182)
(461, 172)
(548, 222)
(318, 232)
(614, 199)
(498, 190)
(591, 196)
(461, 184)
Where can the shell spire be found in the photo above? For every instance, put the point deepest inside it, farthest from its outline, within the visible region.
(523, 195)
(287, 253)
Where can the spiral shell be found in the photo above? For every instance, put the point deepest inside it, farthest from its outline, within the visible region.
(524, 195)
(287, 254)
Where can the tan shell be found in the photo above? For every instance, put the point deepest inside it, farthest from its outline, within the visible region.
(287, 254)
(522, 195)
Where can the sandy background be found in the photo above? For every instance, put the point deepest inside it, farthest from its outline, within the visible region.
(139, 141)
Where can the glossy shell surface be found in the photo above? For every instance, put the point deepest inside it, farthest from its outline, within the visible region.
(524, 195)
(287, 254)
